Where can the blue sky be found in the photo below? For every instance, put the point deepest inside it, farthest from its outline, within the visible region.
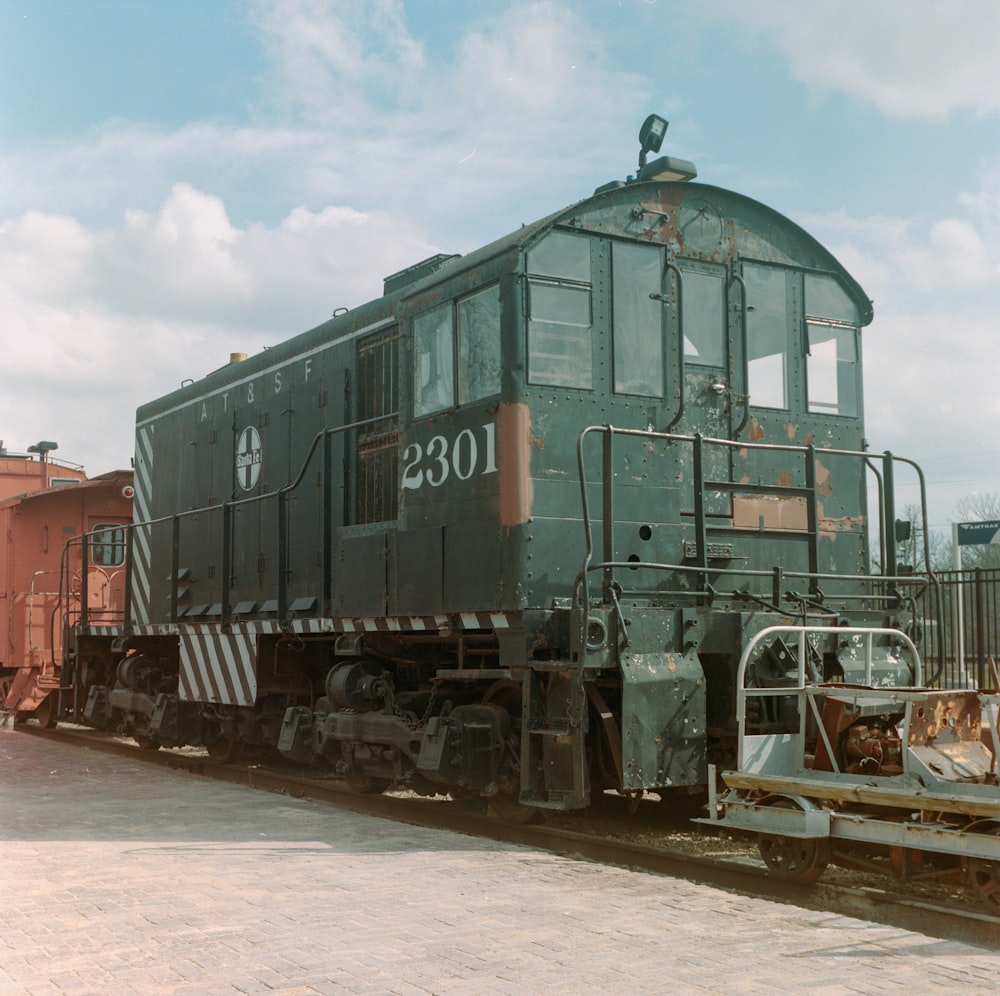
(182, 180)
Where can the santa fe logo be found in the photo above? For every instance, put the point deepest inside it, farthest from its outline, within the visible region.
(248, 458)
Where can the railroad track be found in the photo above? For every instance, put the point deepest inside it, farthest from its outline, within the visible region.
(741, 874)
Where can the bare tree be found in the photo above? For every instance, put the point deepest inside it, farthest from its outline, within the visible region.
(911, 551)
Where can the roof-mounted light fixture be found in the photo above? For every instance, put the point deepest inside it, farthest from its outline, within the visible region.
(651, 135)
(666, 167)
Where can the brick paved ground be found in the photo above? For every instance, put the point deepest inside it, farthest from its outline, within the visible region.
(120, 878)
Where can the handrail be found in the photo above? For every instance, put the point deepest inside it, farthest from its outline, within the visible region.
(680, 344)
(226, 509)
(698, 442)
(738, 278)
(869, 632)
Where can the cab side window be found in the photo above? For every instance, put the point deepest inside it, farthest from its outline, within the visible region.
(479, 345)
(560, 322)
(832, 361)
(456, 352)
(434, 361)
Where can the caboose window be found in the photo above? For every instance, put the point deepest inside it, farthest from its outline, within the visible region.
(832, 363)
(434, 361)
(638, 319)
(107, 545)
(560, 326)
(767, 342)
(479, 345)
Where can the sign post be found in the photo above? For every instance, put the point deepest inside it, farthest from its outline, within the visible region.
(968, 534)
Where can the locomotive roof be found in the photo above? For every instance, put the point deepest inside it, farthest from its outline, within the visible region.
(601, 213)
(586, 215)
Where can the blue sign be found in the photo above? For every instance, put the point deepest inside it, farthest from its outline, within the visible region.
(978, 533)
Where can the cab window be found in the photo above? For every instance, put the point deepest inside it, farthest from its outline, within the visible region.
(636, 273)
(560, 323)
(479, 345)
(832, 361)
(703, 317)
(767, 332)
(434, 361)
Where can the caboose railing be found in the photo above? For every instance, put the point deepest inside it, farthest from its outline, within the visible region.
(697, 567)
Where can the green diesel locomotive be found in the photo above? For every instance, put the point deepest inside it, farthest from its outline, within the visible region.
(507, 529)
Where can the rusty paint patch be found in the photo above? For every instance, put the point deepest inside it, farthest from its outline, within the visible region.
(824, 488)
(789, 514)
(756, 430)
(808, 438)
(790, 430)
(785, 480)
(514, 442)
(829, 528)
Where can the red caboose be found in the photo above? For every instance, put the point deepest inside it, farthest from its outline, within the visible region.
(43, 506)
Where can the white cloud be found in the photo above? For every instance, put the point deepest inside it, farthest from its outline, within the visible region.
(116, 317)
(922, 59)
(330, 61)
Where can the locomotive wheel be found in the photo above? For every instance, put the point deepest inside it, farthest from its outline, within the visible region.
(794, 859)
(504, 806)
(225, 751)
(46, 713)
(363, 784)
(984, 876)
(507, 809)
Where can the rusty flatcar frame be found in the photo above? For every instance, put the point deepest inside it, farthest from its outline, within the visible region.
(945, 799)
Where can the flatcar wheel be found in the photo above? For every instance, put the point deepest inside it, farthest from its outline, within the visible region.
(224, 750)
(795, 859)
(984, 876)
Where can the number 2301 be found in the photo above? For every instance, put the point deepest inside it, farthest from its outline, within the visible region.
(442, 458)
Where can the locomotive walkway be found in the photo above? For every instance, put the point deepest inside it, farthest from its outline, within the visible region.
(118, 877)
